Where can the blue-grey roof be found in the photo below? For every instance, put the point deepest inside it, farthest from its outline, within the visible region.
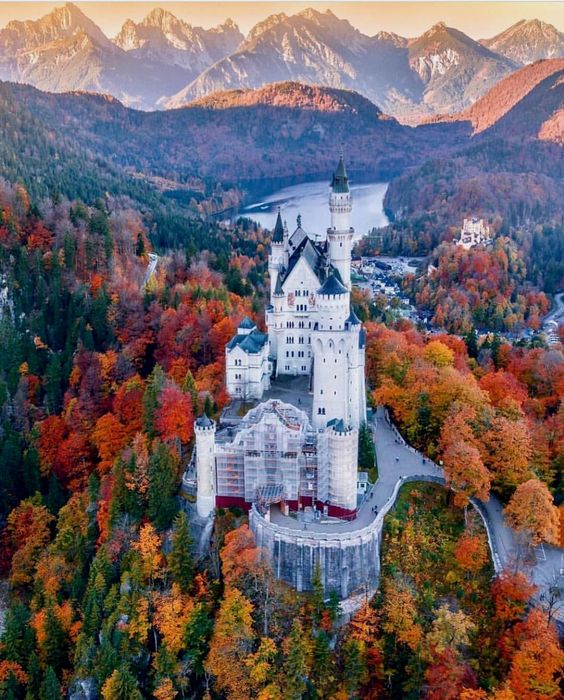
(204, 422)
(313, 254)
(278, 234)
(252, 343)
(353, 319)
(340, 181)
(278, 286)
(247, 323)
(332, 286)
(337, 425)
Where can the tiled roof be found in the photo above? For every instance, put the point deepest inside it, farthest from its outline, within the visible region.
(337, 425)
(353, 319)
(332, 286)
(340, 182)
(278, 234)
(247, 323)
(204, 422)
(251, 343)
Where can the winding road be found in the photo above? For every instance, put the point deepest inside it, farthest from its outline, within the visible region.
(398, 462)
(554, 319)
(151, 267)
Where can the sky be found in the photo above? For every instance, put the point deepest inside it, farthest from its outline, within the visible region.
(477, 19)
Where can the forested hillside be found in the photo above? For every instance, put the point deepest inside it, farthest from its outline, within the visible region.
(279, 131)
(511, 174)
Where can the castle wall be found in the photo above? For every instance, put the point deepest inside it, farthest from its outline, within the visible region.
(348, 562)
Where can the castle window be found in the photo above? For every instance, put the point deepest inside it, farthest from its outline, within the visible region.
(321, 391)
(304, 368)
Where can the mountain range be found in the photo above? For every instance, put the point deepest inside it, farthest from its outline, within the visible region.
(287, 130)
(164, 62)
(66, 51)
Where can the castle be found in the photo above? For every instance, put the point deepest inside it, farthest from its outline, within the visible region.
(296, 450)
(474, 232)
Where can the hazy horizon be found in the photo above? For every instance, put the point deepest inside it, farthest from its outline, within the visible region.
(477, 19)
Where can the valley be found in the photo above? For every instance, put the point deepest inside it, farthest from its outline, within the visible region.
(309, 200)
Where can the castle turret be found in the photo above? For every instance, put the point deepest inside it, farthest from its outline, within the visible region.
(342, 458)
(340, 235)
(204, 428)
(278, 258)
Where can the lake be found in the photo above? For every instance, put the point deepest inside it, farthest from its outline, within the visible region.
(310, 199)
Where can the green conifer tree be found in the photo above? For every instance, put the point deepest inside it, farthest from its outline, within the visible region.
(180, 557)
(162, 489)
(121, 685)
(50, 688)
(353, 665)
(295, 665)
(318, 594)
(55, 645)
(151, 400)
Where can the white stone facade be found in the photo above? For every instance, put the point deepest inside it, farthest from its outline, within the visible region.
(474, 232)
(247, 367)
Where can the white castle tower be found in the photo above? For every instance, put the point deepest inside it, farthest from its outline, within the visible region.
(340, 235)
(204, 429)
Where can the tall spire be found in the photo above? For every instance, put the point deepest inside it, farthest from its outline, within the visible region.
(340, 181)
(278, 235)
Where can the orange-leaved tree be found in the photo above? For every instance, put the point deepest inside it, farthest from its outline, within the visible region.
(531, 511)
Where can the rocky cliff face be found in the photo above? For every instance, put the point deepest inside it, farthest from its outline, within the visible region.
(66, 51)
(315, 47)
(164, 62)
(528, 41)
(163, 37)
(455, 69)
(441, 71)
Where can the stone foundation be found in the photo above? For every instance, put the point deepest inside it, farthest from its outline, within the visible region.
(349, 562)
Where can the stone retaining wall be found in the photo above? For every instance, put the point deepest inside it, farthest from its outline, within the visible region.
(349, 561)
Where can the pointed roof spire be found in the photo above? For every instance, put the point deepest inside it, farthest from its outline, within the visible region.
(204, 421)
(278, 235)
(340, 181)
